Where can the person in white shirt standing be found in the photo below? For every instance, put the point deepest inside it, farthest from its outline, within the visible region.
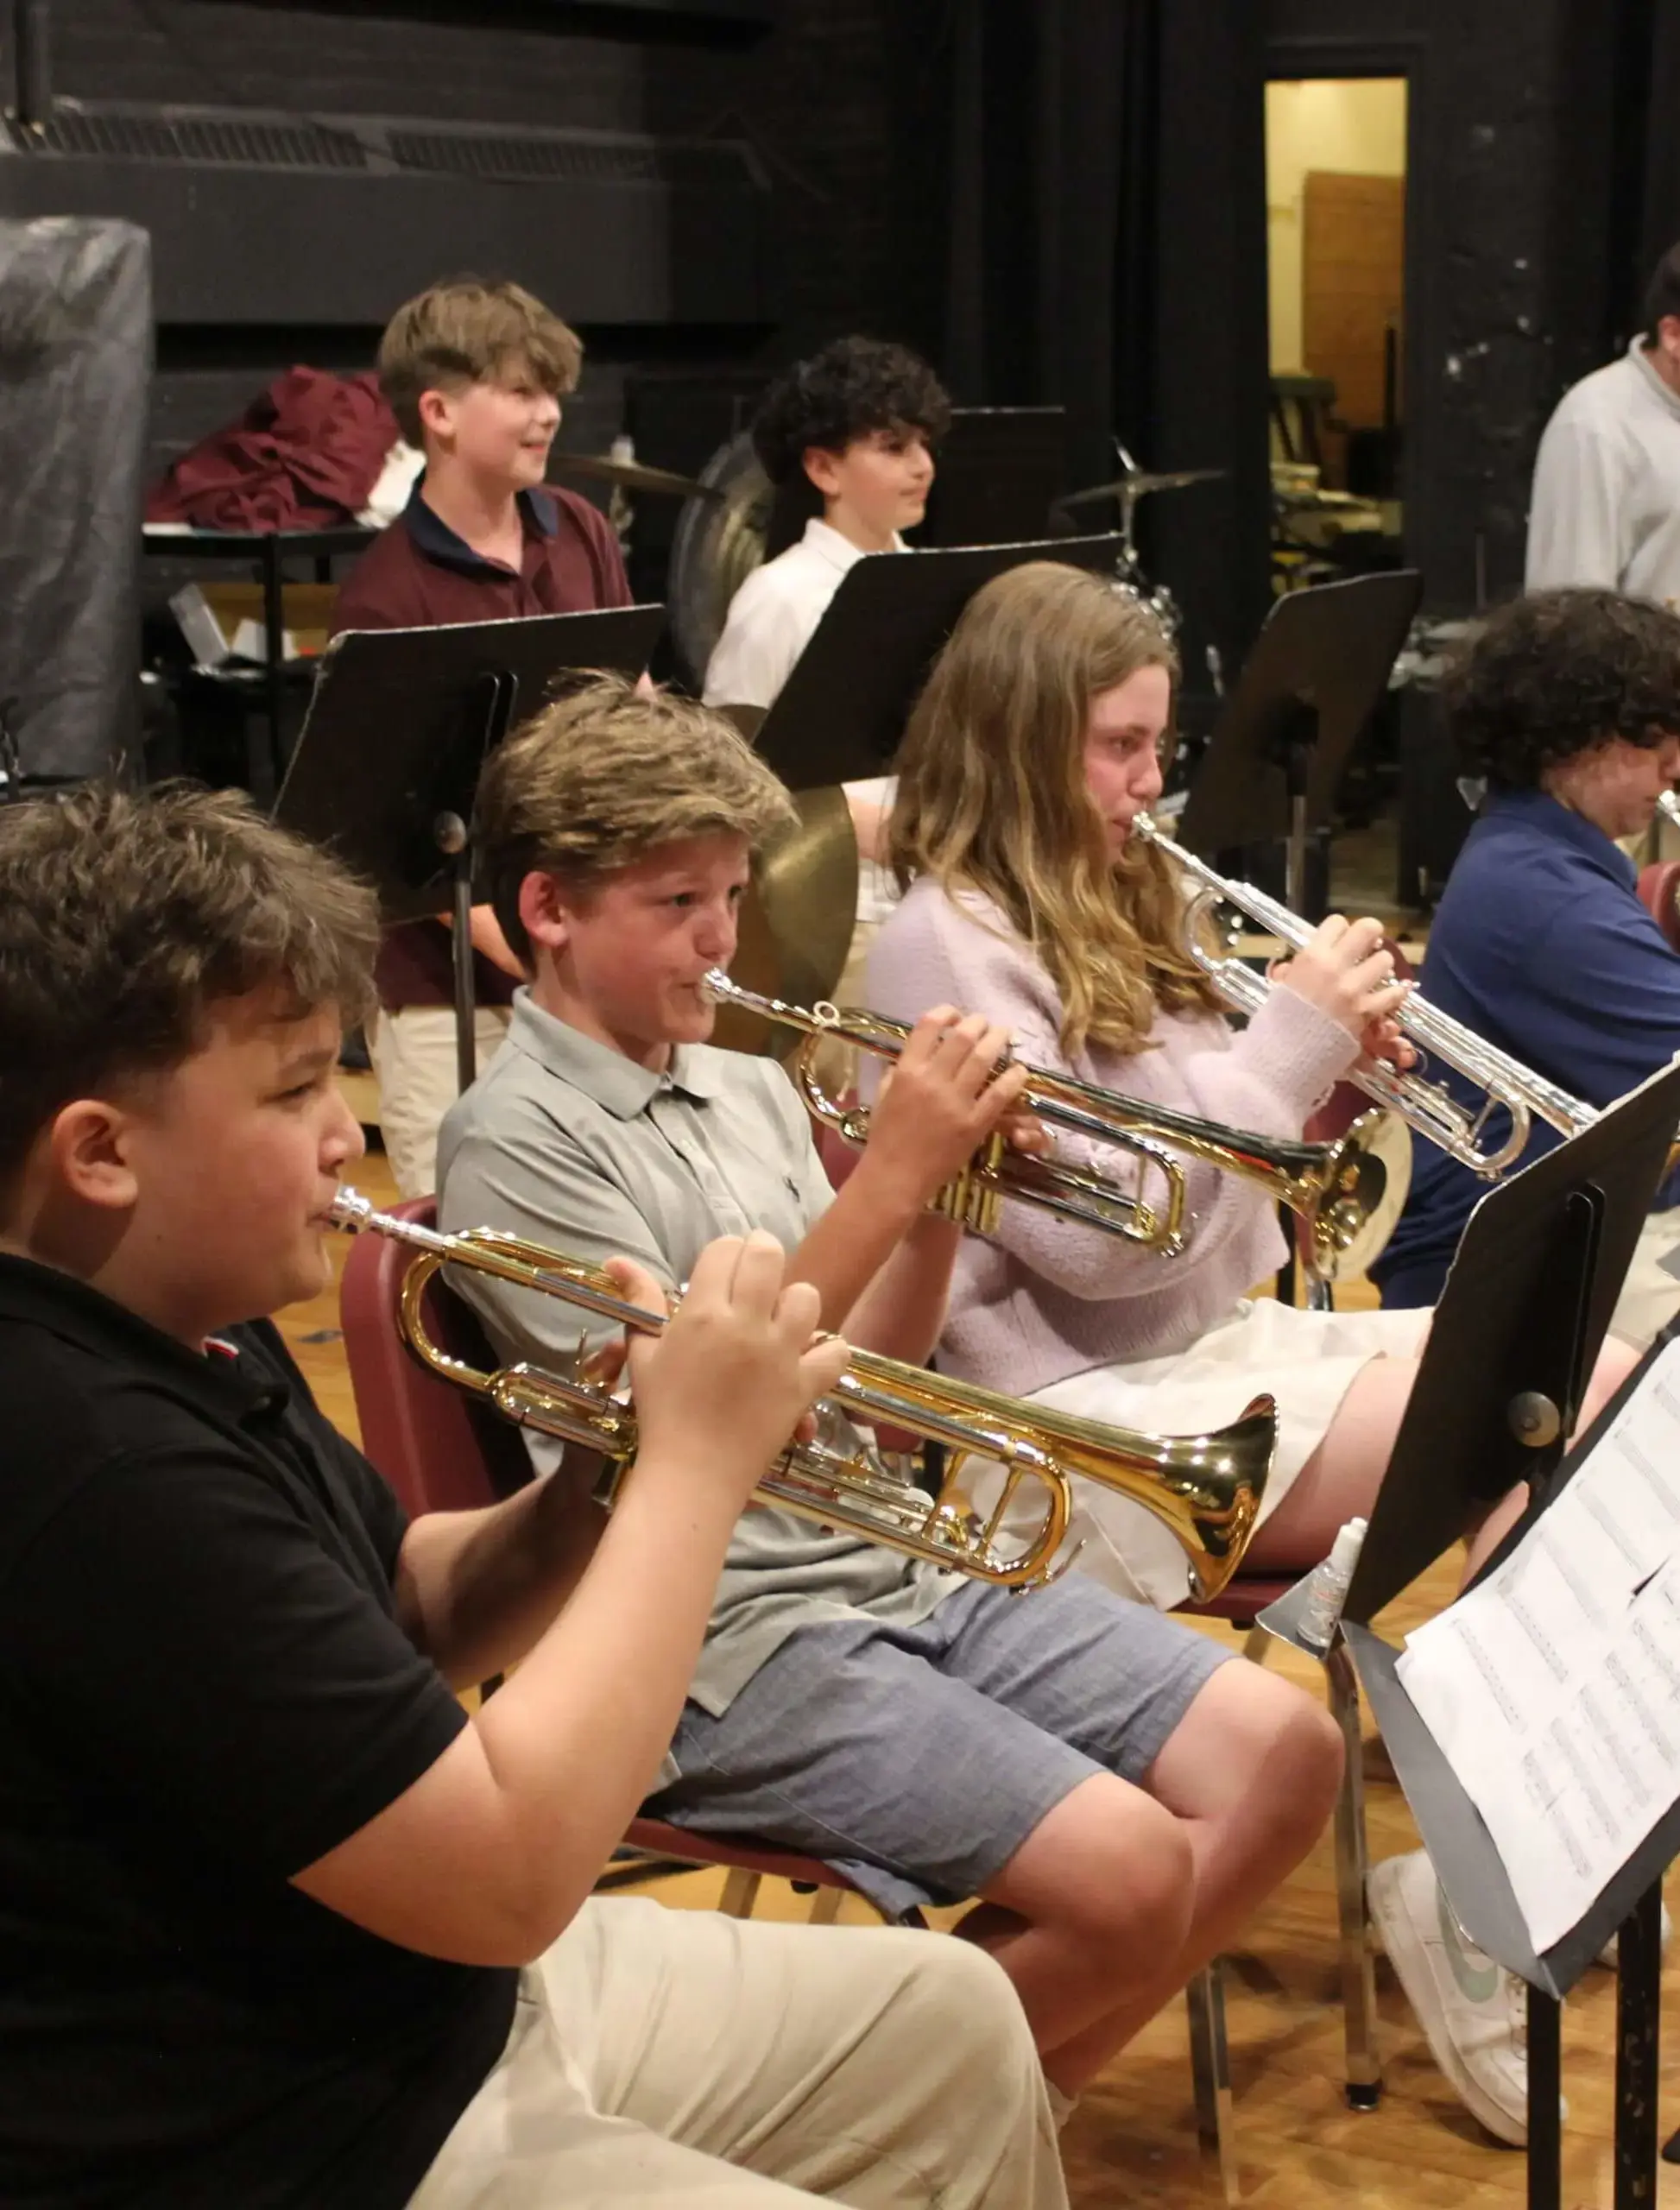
(860, 420)
(1605, 507)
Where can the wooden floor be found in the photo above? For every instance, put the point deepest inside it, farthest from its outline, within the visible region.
(1132, 2139)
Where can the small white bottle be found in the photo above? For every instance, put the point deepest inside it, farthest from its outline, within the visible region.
(1327, 1592)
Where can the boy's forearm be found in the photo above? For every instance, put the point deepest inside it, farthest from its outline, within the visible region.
(853, 1240)
(487, 937)
(475, 1589)
(902, 1313)
(576, 1737)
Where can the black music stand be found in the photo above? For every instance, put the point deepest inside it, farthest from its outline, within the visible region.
(840, 715)
(1317, 674)
(1001, 471)
(399, 723)
(1520, 1322)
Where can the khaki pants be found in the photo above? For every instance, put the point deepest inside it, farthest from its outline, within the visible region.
(1651, 1294)
(671, 2056)
(412, 1052)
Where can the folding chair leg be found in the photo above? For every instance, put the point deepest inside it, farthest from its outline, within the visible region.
(826, 1906)
(741, 1892)
(1359, 1989)
(1210, 2072)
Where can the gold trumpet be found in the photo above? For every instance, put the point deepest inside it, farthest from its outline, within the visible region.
(1348, 1192)
(1426, 1106)
(1205, 1488)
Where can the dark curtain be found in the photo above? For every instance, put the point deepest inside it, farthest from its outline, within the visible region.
(1048, 253)
(1661, 227)
(1082, 221)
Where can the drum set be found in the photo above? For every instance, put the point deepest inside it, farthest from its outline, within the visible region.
(723, 530)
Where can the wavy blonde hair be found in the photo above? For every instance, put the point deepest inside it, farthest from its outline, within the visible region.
(992, 797)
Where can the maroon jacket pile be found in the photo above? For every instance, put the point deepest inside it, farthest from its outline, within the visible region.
(304, 456)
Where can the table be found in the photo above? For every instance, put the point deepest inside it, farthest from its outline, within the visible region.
(267, 553)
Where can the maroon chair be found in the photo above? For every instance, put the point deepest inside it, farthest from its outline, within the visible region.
(441, 1451)
(1659, 893)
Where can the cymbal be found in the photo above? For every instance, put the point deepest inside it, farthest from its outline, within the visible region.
(796, 920)
(632, 474)
(1139, 485)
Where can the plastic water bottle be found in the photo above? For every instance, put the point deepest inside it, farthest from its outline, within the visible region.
(1327, 1592)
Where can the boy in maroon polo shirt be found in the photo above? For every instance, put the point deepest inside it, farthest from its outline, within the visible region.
(475, 374)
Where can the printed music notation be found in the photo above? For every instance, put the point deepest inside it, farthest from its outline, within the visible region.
(1553, 1688)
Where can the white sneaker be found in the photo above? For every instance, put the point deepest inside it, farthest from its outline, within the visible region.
(1607, 1956)
(1474, 2012)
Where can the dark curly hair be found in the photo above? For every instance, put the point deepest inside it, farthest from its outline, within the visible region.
(1661, 297)
(853, 387)
(1560, 673)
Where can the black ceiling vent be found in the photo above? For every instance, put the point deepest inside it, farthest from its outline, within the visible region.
(163, 136)
(261, 217)
(486, 154)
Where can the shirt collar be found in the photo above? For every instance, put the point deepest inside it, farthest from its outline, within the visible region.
(1538, 813)
(822, 538)
(1640, 355)
(437, 541)
(618, 1084)
(41, 1296)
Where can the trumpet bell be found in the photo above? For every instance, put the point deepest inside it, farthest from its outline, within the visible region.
(1366, 1183)
(1205, 1489)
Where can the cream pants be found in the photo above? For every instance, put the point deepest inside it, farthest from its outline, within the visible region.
(412, 1052)
(680, 2057)
(1651, 1294)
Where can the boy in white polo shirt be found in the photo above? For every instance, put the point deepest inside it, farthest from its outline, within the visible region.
(860, 420)
(1605, 507)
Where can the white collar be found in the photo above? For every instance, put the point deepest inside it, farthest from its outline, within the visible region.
(828, 543)
(1641, 360)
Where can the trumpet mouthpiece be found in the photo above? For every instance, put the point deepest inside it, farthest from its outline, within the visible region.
(350, 1209)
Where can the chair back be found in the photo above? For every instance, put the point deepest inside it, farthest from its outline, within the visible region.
(1659, 893)
(439, 1450)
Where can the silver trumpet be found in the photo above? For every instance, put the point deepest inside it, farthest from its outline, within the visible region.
(1427, 1106)
(1348, 1192)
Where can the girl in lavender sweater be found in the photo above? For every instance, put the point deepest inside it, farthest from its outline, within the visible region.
(1034, 747)
(1036, 743)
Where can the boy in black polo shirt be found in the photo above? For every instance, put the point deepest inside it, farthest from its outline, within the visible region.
(263, 1884)
(476, 375)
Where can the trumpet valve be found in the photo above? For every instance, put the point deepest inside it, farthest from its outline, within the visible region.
(971, 1197)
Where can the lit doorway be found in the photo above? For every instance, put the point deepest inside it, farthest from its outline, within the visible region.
(1336, 242)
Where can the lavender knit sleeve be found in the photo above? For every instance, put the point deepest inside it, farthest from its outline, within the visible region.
(930, 951)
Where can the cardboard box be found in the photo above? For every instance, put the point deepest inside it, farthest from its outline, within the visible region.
(224, 621)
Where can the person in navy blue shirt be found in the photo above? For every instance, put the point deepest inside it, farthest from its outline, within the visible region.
(1568, 707)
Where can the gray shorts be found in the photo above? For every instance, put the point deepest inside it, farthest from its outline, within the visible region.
(917, 1759)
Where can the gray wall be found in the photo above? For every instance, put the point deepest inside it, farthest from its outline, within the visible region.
(809, 94)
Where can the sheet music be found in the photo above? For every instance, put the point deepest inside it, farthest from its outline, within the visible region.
(1554, 1688)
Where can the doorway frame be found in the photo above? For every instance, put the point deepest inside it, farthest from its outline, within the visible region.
(1291, 57)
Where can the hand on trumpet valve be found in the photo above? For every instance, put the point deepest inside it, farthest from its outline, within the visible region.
(1346, 970)
(1384, 1039)
(943, 1097)
(1024, 1131)
(721, 1389)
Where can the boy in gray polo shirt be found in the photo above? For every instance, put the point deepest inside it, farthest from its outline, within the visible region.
(1119, 1796)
